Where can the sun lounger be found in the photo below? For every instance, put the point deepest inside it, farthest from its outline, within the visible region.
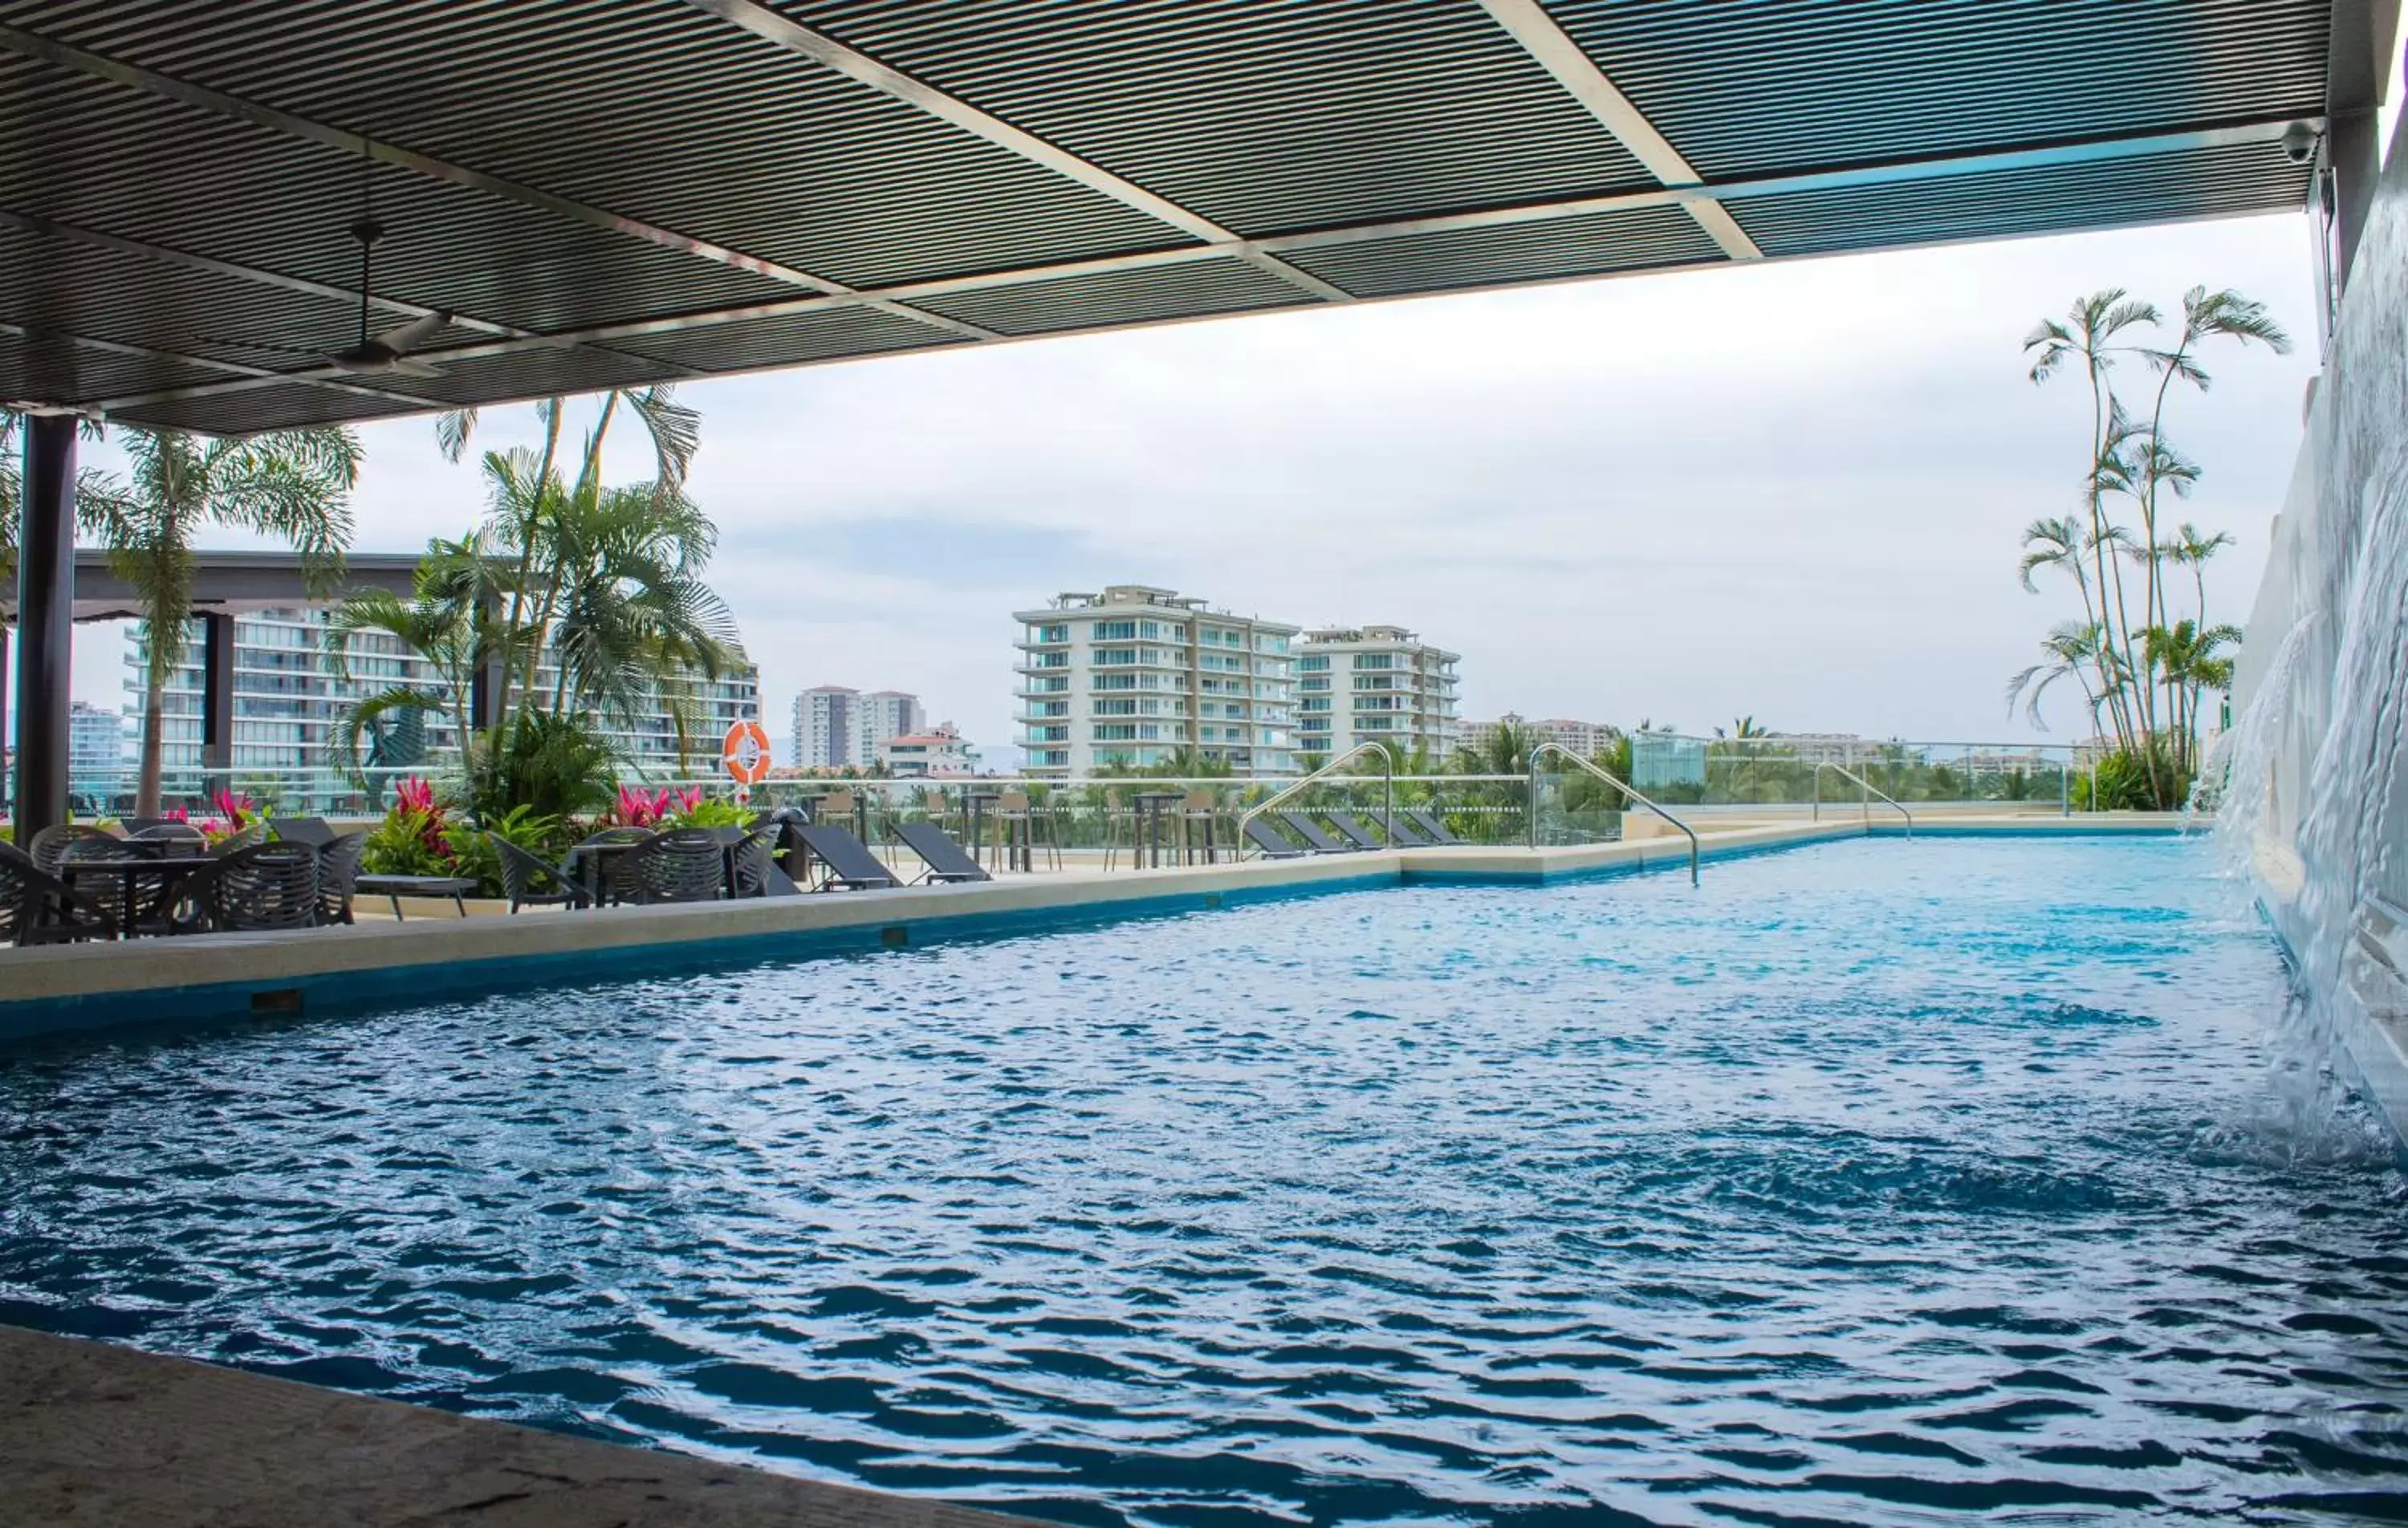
(1429, 822)
(946, 860)
(1266, 838)
(1351, 829)
(1310, 831)
(1403, 834)
(850, 864)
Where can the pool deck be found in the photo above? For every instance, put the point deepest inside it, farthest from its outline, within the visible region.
(216, 979)
(103, 1436)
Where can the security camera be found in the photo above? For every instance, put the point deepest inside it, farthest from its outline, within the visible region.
(2299, 143)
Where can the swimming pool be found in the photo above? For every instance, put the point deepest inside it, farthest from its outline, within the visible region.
(1874, 1181)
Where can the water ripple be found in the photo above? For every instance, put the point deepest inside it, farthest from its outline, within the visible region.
(1877, 1182)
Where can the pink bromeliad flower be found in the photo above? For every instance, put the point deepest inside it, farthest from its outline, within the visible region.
(414, 795)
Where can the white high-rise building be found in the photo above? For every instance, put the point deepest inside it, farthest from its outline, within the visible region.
(1375, 684)
(883, 714)
(826, 718)
(1128, 677)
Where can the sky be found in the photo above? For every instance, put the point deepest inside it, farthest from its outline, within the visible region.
(1793, 490)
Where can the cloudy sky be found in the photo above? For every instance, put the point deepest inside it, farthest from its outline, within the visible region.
(1792, 491)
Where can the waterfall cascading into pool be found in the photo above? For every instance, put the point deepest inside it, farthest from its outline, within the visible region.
(2316, 805)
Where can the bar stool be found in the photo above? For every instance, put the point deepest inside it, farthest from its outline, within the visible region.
(1017, 815)
(1202, 806)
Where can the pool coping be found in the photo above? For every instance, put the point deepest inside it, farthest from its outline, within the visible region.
(91, 1433)
(210, 979)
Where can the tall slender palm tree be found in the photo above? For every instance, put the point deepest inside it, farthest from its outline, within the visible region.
(2206, 316)
(294, 485)
(2088, 334)
(2074, 651)
(445, 623)
(2191, 549)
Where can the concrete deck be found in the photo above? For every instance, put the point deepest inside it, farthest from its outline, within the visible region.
(220, 977)
(107, 1437)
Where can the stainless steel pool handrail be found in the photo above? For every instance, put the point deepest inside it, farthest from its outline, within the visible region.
(1862, 784)
(1541, 750)
(1388, 789)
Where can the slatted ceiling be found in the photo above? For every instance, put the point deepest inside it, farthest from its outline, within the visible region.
(2203, 184)
(532, 373)
(1263, 115)
(1268, 117)
(1756, 87)
(282, 406)
(1138, 296)
(791, 339)
(175, 174)
(778, 157)
(1599, 244)
(94, 372)
(103, 294)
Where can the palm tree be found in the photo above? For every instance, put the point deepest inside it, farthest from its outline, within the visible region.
(445, 623)
(294, 485)
(2206, 315)
(2192, 659)
(2088, 336)
(2074, 650)
(2190, 548)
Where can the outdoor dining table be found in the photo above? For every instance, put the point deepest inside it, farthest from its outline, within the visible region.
(170, 868)
(1152, 815)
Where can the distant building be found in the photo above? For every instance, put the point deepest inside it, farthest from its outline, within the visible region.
(883, 714)
(1586, 739)
(97, 768)
(1364, 685)
(1820, 747)
(938, 751)
(839, 727)
(1128, 677)
(288, 709)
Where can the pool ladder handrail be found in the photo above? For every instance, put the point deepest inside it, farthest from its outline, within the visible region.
(1863, 784)
(1541, 750)
(1387, 784)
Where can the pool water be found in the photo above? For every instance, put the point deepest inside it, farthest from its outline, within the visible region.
(1878, 1181)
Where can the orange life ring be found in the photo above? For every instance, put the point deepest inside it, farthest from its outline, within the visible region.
(745, 753)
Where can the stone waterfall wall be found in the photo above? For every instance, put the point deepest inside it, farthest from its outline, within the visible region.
(2317, 806)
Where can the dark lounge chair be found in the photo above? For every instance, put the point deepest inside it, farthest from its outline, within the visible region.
(1429, 823)
(1310, 831)
(1353, 829)
(1266, 838)
(946, 860)
(1403, 834)
(850, 864)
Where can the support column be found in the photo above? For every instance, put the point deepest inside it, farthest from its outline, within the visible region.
(44, 621)
(217, 700)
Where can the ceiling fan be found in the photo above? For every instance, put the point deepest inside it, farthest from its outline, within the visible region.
(372, 355)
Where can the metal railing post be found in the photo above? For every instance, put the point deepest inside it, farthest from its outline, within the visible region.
(1539, 751)
(1866, 793)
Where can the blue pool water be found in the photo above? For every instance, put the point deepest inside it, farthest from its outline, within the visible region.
(1881, 1181)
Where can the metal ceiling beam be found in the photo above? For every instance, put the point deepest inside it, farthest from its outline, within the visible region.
(1863, 176)
(256, 377)
(763, 22)
(1528, 23)
(167, 87)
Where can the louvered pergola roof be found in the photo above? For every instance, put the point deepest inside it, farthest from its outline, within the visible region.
(604, 193)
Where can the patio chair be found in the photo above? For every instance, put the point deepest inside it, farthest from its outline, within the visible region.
(525, 875)
(608, 877)
(754, 861)
(1430, 823)
(314, 831)
(38, 908)
(1354, 829)
(851, 867)
(338, 874)
(1200, 827)
(50, 847)
(683, 864)
(264, 887)
(946, 860)
(145, 906)
(1021, 818)
(1266, 838)
(1403, 834)
(1310, 831)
